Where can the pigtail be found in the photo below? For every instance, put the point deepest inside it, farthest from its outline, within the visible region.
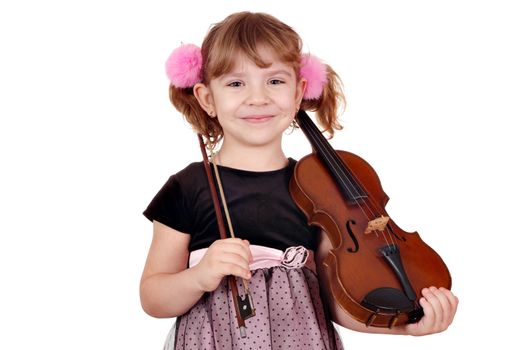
(186, 103)
(331, 102)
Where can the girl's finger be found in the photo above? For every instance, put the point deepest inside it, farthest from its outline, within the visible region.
(443, 305)
(236, 270)
(451, 302)
(235, 259)
(233, 247)
(435, 302)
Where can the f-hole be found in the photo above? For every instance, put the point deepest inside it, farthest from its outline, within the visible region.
(392, 232)
(355, 248)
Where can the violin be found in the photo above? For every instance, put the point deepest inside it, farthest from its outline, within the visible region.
(376, 271)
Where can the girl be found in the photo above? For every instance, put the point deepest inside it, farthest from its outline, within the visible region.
(243, 90)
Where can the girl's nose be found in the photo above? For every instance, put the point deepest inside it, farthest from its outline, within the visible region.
(257, 96)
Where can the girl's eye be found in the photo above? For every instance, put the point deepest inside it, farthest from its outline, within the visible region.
(276, 81)
(235, 84)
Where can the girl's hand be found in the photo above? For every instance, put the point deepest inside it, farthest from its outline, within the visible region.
(224, 257)
(439, 307)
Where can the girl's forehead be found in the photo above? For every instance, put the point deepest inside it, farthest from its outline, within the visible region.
(241, 63)
(223, 62)
(241, 60)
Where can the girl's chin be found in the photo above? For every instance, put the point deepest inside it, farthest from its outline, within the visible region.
(262, 140)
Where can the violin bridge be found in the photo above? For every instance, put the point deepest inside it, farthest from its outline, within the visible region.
(378, 224)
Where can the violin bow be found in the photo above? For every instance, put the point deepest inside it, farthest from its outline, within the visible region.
(243, 305)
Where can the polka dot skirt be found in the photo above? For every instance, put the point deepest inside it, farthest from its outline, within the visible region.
(289, 315)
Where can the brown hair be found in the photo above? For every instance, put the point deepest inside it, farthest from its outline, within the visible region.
(244, 32)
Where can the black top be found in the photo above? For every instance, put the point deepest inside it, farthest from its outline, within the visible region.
(259, 203)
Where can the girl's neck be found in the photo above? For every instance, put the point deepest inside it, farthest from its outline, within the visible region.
(252, 159)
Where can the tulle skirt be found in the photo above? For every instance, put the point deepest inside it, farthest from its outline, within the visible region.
(289, 315)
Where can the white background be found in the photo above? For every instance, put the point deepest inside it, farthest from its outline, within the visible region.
(88, 136)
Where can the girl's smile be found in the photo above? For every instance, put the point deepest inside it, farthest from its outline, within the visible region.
(257, 118)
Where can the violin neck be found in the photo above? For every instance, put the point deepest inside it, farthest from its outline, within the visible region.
(347, 183)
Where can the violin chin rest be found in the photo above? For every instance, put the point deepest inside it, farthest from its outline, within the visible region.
(388, 300)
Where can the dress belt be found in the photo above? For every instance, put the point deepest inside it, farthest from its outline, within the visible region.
(265, 257)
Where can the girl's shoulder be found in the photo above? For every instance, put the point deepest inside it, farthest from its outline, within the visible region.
(174, 203)
(185, 183)
(190, 170)
(192, 173)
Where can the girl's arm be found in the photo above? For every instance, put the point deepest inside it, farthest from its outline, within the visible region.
(439, 305)
(167, 287)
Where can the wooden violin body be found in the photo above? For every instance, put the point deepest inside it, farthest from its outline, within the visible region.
(376, 271)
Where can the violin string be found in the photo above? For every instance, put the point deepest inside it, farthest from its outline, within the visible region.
(332, 162)
(376, 210)
(319, 140)
(335, 161)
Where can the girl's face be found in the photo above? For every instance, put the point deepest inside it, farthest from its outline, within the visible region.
(254, 105)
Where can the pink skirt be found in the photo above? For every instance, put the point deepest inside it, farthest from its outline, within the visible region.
(289, 313)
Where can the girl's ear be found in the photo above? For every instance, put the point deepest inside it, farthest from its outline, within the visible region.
(299, 92)
(204, 96)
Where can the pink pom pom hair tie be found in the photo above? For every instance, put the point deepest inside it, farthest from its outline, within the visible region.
(314, 71)
(184, 70)
(184, 66)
